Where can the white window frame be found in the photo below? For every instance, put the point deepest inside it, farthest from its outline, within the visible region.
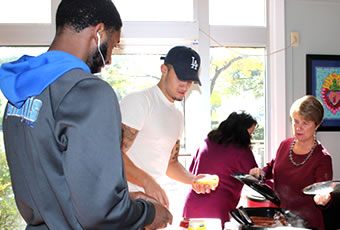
(197, 104)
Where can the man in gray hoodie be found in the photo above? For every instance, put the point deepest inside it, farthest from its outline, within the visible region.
(62, 130)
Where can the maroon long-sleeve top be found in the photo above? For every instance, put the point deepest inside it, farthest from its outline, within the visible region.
(289, 180)
(213, 158)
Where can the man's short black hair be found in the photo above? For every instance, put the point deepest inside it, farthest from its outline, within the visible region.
(81, 14)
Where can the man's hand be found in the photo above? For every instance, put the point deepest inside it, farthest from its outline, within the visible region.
(141, 195)
(205, 183)
(136, 175)
(162, 217)
(153, 189)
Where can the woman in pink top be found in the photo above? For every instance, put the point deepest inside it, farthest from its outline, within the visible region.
(225, 151)
(301, 161)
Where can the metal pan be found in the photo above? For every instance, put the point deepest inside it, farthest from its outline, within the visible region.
(322, 187)
(258, 186)
(241, 215)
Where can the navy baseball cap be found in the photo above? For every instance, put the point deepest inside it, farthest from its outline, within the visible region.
(186, 63)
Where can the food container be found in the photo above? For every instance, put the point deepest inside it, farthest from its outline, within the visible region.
(196, 224)
(201, 224)
(184, 224)
(267, 218)
(264, 217)
(208, 179)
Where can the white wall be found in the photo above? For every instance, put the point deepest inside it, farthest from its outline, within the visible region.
(318, 24)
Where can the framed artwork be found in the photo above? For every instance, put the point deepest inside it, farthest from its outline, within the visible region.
(323, 82)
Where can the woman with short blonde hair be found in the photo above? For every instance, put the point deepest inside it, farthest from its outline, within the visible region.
(301, 161)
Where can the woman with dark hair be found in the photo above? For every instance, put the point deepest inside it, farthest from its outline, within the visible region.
(226, 150)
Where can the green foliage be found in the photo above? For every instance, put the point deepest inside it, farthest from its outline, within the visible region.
(259, 133)
(129, 73)
(9, 215)
(2, 102)
(235, 76)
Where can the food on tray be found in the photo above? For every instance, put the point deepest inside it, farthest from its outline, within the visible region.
(196, 225)
(209, 179)
(277, 220)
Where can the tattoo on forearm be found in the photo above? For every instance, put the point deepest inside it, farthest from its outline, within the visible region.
(129, 135)
(175, 151)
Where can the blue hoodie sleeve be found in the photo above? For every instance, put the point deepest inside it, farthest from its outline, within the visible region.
(91, 135)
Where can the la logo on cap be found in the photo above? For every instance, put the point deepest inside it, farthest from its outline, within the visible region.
(194, 64)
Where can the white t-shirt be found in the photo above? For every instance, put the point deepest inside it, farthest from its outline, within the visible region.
(160, 125)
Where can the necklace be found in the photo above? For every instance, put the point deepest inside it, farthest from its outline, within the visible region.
(306, 159)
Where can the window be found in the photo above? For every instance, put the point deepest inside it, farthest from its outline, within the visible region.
(237, 12)
(23, 11)
(128, 73)
(237, 82)
(155, 10)
(8, 54)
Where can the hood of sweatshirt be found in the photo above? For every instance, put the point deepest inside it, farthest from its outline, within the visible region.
(29, 76)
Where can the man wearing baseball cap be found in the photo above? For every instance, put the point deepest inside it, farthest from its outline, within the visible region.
(186, 63)
(152, 127)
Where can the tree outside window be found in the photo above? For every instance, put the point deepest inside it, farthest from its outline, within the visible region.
(237, 82)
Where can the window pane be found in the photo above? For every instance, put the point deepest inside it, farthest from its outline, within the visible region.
(237, 12)
(126, 76)
(155, 10)
(24, 11)
(238, 83)
(8, 54)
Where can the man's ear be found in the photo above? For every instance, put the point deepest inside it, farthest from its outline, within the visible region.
(164, 69)
(99, 29)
